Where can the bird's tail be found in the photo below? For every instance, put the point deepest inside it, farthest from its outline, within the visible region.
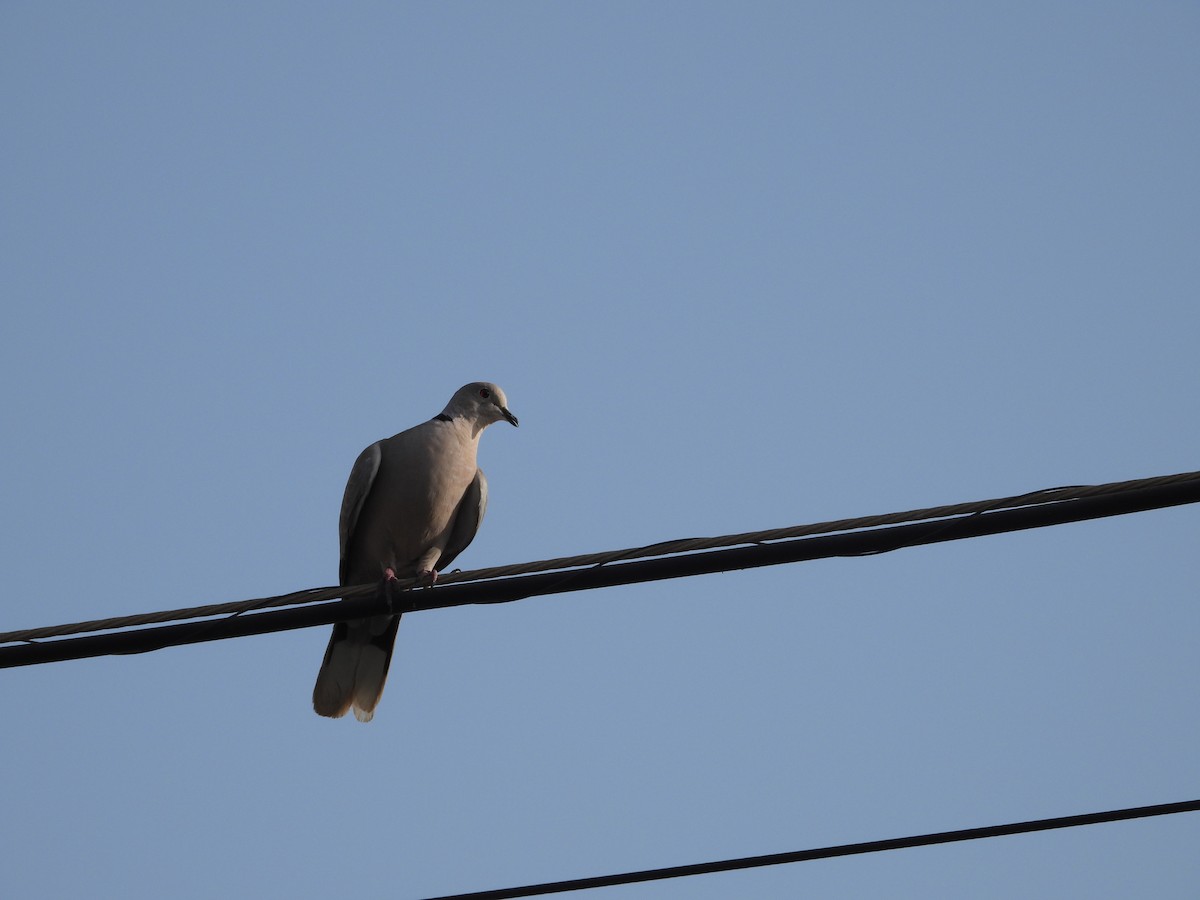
(355, 667)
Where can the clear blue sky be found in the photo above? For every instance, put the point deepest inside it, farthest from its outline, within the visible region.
(737, 266)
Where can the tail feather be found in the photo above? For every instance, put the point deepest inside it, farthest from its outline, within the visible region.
(355, 667)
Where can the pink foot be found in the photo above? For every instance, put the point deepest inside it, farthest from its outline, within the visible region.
(431, 574)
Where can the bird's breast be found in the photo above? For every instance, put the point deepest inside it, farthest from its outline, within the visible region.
(415, 496)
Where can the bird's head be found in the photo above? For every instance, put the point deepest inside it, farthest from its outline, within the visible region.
(481, 402)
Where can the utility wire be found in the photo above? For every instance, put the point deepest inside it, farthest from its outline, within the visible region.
(774, 859)
(674, 559)
(666, 548)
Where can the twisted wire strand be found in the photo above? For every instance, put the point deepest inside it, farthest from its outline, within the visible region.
(1040, 497)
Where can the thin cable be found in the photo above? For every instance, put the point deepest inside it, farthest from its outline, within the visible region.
(367, 600)
(774, 859)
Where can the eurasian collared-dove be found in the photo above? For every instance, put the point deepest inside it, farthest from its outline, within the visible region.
(413, 502)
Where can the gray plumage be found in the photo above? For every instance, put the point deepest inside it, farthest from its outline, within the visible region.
(413, 503)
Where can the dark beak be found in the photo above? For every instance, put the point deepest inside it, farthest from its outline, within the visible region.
(512, 420)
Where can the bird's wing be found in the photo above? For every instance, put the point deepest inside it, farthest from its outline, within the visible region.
(467, 518)
(362, 476)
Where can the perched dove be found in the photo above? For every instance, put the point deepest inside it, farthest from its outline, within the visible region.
(413, 502)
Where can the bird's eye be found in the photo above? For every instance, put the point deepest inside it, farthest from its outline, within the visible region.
(484, 393)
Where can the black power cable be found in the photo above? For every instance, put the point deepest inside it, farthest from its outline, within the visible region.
(503, 590)
(774, 859)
